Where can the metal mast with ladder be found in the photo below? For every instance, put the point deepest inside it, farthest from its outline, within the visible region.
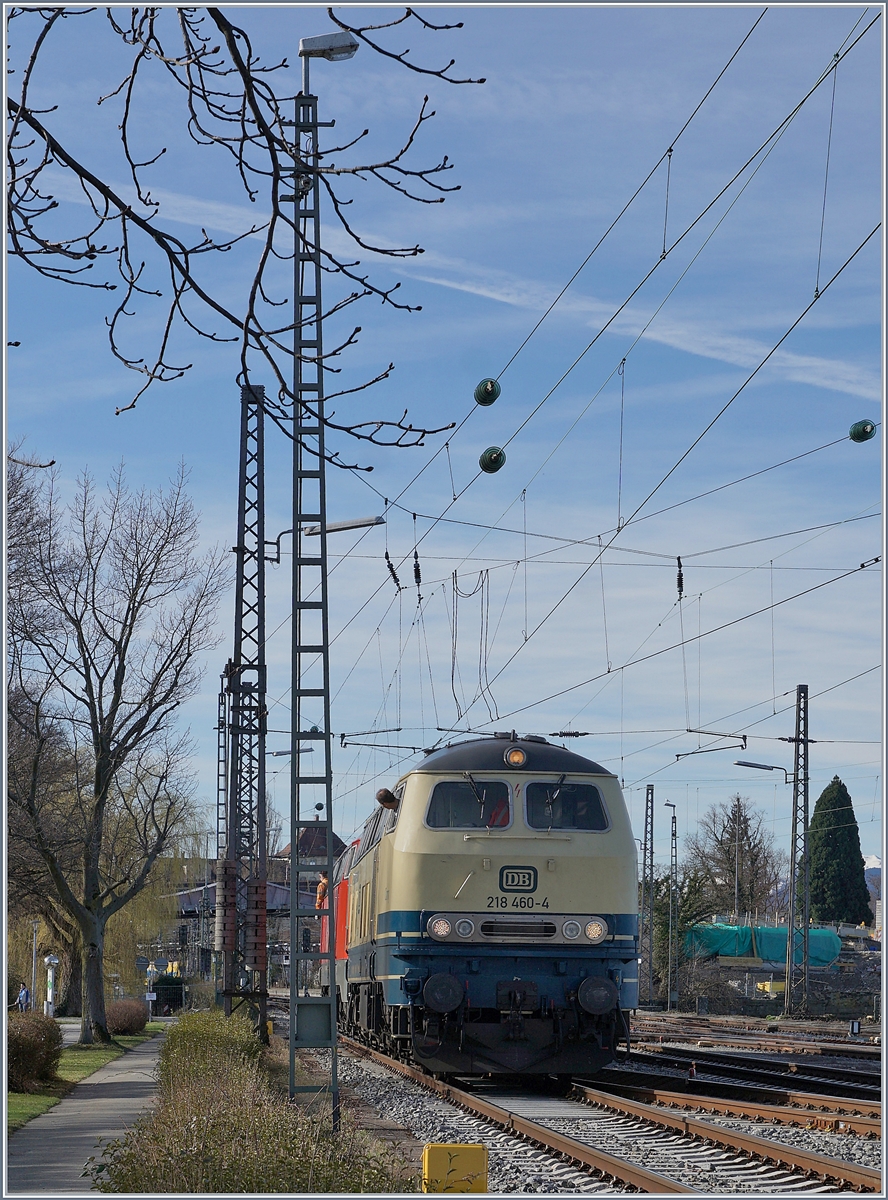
(312, 1014)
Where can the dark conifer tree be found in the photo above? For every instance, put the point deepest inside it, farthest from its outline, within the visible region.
(837, 881)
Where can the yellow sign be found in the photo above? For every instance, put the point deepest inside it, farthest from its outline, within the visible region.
(454, 1167)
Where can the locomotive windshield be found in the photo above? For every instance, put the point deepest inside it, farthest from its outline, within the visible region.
(565, 806)
(485, 804)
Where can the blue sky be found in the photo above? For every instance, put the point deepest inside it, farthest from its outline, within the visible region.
(580, 102)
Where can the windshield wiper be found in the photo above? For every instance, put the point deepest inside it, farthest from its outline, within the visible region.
(550, 800)
(479, 796)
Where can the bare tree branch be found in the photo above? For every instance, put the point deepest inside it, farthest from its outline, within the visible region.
(231, 102)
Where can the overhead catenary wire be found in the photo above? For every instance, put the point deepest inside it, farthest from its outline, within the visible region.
(525, 556)
(631, 199)
(773, 140)
(697, 440)
(761, 720)
(861, 35)
(832, 109)
(622, 373)
(776, 133)
(707, 633)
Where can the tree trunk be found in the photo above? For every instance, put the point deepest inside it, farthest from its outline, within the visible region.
(93, 1026)
(71, 982)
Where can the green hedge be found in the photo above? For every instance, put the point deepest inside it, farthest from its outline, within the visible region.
(220, 1127)
(34, 1047)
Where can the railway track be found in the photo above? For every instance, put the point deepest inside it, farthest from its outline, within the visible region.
(637, 1145)
(706, 1088)
(822, 1115)
(786, 1041)
(831, 1081)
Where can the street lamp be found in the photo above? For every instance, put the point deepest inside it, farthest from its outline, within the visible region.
(312, 1019)
(343, 526)
(765, 767)
(335, 47)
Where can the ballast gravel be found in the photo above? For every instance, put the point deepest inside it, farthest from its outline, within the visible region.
(516, 1167)
(513, 1165)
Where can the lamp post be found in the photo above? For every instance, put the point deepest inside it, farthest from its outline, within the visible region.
(312, 1018)
(34, 967)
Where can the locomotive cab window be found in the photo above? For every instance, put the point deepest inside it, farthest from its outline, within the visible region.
(560, 805)
(482, 804)
(390, 819)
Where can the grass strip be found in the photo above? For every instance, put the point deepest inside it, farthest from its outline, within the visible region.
(77, 1062)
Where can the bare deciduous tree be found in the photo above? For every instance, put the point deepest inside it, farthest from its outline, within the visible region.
(230, 103)
(733, 853)
(110, 612)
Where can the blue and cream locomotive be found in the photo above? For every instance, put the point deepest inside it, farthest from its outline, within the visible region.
(491, 913)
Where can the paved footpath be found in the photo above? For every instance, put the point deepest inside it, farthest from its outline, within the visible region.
(47, 1156)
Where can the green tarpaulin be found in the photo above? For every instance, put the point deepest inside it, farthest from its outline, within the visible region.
(759, 941)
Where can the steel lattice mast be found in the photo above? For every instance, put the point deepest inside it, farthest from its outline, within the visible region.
(241, 920)
(646, 907)
(796, 995)
(313, 1014)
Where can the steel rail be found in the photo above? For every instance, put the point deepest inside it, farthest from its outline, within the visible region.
(548, 1139)
(617, 1081)
(860, 1178)
(830, 1120)
(786, 1041)
(841, 1084)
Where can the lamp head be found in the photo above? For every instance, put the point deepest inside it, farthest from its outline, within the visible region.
(50, 961)
(335, 47)
(757, 766)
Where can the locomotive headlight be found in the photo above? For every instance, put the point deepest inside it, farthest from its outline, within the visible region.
(596, 930)
(465, 927)
(571, 929)
(440, 927)
(515, 757)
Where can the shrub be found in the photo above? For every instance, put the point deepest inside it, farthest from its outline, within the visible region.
(231, 1133)
(34, 1048)
(126, 1016)
(221, 1127)
(12, 988)
(202, 1043)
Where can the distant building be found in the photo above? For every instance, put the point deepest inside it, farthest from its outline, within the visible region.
(312, 849)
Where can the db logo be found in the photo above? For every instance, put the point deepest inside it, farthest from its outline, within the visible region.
(518, 879)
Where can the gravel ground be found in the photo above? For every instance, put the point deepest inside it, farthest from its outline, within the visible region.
(862, 1151)
(515, 1167)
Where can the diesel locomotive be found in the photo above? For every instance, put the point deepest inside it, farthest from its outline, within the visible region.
(487, 919)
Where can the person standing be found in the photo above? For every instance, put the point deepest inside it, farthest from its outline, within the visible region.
(24, 998)
(321, 893)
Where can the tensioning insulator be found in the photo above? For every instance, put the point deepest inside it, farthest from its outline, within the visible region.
(491, 460)
(487, 391)
(862, 431)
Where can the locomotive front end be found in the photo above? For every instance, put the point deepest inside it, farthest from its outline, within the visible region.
(494, 925)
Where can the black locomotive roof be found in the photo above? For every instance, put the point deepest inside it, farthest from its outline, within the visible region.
(486, 754)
